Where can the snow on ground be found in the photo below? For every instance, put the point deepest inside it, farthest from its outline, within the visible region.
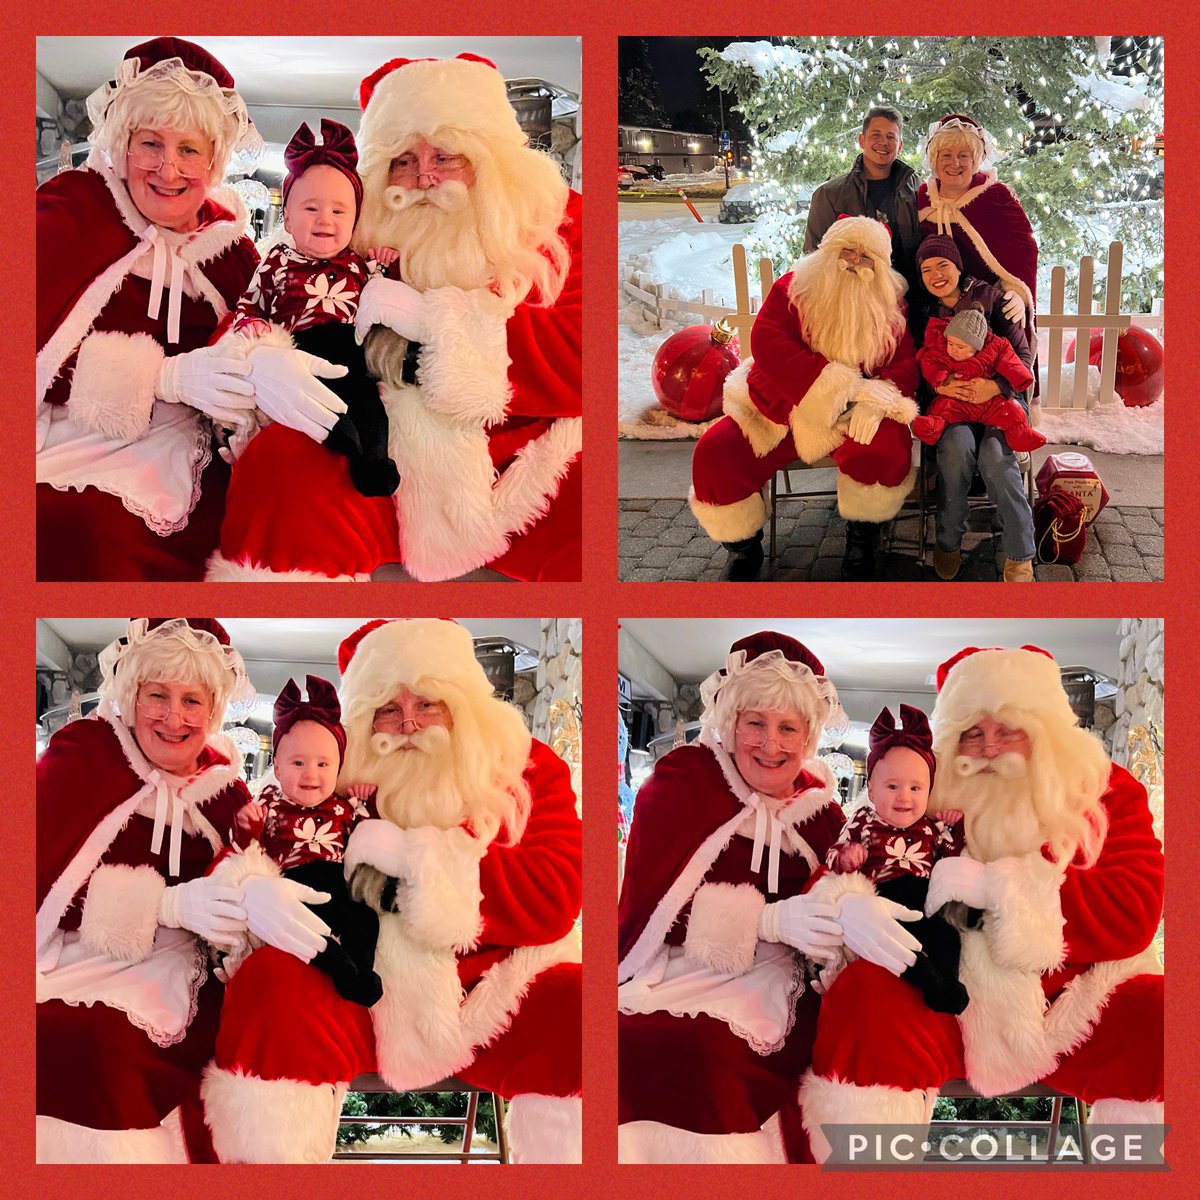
(687, 258)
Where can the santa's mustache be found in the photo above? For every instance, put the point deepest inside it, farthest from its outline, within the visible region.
(857, 270)
(450, 196)
(433, 740)
(1008, 766)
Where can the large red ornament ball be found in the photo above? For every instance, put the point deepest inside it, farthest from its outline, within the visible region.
(690, 368)
(1139, 364)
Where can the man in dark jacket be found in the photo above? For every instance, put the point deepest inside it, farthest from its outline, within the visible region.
(879, 185)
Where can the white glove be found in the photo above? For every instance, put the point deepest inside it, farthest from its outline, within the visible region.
(275, 912)
(864, 422)
(869, 924)
(805, 923)
(379, 844)
(205, 907)
(962, 878)
(287, 385)
(395, 304)
(211, 380)
(1014, 306)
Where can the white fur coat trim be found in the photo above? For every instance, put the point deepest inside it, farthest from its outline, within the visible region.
(1024, 925)
(64, 1142)
(545, 1129)
(830, 889)
(730, 522)
(439, 870)
(452, 512)
(78, 870)
(270, 1120)
(722, 930)
(1126, 1112)
(759, 430)
(419, 979)
(885, 396)
(224, 570)
(112, 390)
(120, 911)
(692, 875)
(874, 502)
(464, 361)
(653, 1142)
(1012, 1036)
(946, 213)
(815, 414)
(836, 1102)
(210, 242)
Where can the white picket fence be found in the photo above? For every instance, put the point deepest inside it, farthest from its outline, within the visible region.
(661, 304)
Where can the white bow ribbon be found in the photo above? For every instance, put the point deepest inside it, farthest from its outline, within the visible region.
(166, 260)
(165, 794)
(765, 819)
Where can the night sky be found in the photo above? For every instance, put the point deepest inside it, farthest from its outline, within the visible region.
(677, 67)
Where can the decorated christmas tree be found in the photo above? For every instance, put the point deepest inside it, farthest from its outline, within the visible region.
(1075, 120)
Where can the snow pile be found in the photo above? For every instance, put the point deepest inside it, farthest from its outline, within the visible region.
(1109, 428)
(789, 139)
(1117, 97)
(763, 57)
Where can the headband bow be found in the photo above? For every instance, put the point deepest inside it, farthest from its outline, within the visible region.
(336, 149)
(321, 706)
(913, 734)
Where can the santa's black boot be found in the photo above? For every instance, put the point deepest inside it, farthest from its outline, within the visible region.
(858, 562)
(745, 559)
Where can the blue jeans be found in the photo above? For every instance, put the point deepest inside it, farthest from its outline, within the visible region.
(960, 451)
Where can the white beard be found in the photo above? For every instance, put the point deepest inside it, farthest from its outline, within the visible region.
(436, 232)
(997, 799)
(849, 315)
(416, 786)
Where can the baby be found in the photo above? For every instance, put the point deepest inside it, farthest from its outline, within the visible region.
(894, 844)
(310, 292)
(302, 825)
(964, 348)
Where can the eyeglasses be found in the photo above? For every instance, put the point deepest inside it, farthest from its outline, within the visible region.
(187, 160)
(756, 735)
(392, 717)
(159, 708)
(975, 738)
(408, 166)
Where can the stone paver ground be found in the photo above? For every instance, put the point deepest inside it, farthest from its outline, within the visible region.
(660, 540)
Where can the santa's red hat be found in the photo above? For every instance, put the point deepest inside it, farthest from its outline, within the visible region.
(321, 707)
(425, 98)
(859, 233)
(994, 680)
(382, 656)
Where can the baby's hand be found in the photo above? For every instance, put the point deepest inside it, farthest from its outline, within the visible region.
(251, 817)
(254, 327)
(384, 255)
(851, 857)
(362, 791)
(950, 816)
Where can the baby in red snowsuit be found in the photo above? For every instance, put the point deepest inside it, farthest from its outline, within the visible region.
(964, 348)
(302, 824)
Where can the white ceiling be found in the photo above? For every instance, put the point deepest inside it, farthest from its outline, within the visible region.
(318, 72)
(875, 654)
(284, 639)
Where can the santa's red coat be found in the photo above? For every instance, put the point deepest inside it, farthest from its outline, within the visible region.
(285, 1031)
(96, 1069)
(86, 231)
(1086, 944)
(292, 507)
(694, 1073)
(784, 405)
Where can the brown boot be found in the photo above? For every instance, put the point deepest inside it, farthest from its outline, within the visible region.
(1017, 572)
(946, 562)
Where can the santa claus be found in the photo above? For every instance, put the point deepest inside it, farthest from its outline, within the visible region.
(833, 373)
(477, 343)
(475, 868)
(1064, 984)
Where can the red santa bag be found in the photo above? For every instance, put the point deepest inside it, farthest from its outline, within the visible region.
(1059, 520)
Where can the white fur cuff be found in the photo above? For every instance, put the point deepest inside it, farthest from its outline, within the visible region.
(837, 1102)
(888, 399)
(1024, 927)
(120, 912)
(814, 416)
(872, 501)
(112, 391)
(722, 930)
(730, 522)
(464, 364)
